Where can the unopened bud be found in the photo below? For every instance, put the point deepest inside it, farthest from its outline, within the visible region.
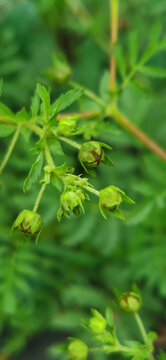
(77, 350)
(130, 302)
(91, 154)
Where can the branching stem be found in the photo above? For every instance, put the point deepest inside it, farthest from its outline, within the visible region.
(149, 143)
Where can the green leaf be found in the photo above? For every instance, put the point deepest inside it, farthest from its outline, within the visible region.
(154, 72)
(5, 111)
(35, 104)
(1, 85)
(58, 184)
(65, 100)
(43, 94)
(121, 61)
(34, 173)
(109, 317)
(133, 48)
(6, 130)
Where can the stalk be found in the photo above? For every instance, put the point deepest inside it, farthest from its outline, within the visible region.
(10, 149)
(113, 39)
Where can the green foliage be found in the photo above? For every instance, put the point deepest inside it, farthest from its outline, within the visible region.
(78, 262)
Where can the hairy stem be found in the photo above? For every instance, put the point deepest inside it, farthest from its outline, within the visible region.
(143, 332)
(37, 202)
(49, 158)
(10, 149)
(84, 115)
(93, 191)
(113, 40)
(149, 143)
(87, 92)
(70, 142)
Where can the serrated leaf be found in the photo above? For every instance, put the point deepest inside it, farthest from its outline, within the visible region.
(5, 111)
(65, 100)
(43, 94)
(6, 130)
(34, 173)
(154, 72)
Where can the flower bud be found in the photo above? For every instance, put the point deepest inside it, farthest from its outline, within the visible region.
(59, 72)
(110, 198)
(68, 125)
(97, 324)
(91, 154)
(71, 200)
(130, 302)
(77, 350)
(28, 222)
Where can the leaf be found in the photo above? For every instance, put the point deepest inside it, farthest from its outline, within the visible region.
(154, 72)
(65, 100)
(43, 94)
(1, 85)
(6, 130)
(121, 61)
(133, 48)
(35, 104)
(34, 173)
(109, 317)
(57, 183)
(5, 111)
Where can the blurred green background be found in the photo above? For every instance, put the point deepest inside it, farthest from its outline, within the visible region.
(45, 290)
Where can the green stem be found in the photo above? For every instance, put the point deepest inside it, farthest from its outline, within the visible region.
(87, 92)
(49, 158)
(10, 149)
(39, 197)
(34, 128)
(141, 326)
(143, 333)
(70, 142)
(93, 191)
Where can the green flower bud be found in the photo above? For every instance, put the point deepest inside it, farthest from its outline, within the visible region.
(28, 222)
(71, 200)
(110, 198)
(59, 72)
(97, 324)
(68, 125)
(77, 350)
(91, 154)
(130, 302)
